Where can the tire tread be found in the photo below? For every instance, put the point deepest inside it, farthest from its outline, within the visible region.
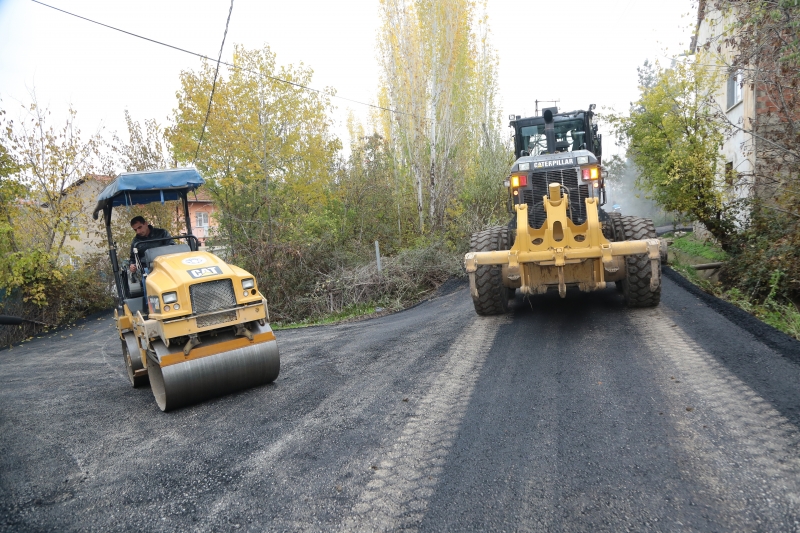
(493, 297)
(636, 285)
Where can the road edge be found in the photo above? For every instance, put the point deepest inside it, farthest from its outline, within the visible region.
(779, 341)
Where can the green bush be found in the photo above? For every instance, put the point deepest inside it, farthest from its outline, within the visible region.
(55, 295)
(357, 288)
(770, 243)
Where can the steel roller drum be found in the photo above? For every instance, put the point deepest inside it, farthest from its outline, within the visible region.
(252, 363)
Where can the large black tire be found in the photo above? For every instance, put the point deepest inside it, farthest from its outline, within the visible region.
(612, 227)
(493, 297)
(617, 235)
(636, 285)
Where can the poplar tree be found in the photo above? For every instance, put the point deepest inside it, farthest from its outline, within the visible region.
(439, 75)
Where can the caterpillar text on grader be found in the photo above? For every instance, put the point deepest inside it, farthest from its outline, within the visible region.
(559, 237)
(194, 326)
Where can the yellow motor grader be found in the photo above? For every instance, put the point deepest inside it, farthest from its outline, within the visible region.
(559, 237)
(192, 325)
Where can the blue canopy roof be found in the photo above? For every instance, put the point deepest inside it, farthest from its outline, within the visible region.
(138, 188)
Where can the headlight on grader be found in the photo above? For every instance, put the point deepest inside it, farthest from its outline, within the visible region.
(170, 297)
(248, 283)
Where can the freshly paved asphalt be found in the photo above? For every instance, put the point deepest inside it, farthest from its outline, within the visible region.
(566, 415)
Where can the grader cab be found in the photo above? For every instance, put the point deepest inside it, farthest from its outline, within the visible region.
(558, 236)
(193, 325)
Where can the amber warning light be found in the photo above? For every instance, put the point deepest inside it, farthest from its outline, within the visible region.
(590, 174)
(519, 181)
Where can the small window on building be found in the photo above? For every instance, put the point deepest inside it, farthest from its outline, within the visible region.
(735, 82)
(202, 219)
(730, 175)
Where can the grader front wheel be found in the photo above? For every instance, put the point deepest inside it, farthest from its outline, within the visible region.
(493, 297)
(636, 285)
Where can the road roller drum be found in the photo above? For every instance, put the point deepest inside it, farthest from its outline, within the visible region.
(234, 364)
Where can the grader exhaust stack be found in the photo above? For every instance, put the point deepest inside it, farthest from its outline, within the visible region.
(194, 326)
(559, 237)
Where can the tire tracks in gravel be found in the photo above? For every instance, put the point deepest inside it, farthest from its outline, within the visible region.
(367, 367)
(405, 477)
(736, 444)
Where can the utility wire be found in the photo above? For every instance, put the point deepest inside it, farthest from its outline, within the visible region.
(236, 67)
(213, 85)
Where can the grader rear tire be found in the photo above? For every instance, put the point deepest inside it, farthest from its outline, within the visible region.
(618, 235)
(493, 297)
(636, 285)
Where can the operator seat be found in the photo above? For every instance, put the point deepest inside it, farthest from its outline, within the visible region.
(577, 139)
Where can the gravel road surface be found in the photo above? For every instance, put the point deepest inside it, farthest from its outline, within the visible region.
(565, 415)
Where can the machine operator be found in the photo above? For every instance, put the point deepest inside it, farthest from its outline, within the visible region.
(145, 231)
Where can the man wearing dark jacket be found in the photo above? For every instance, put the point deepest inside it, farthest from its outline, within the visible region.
(145, 231)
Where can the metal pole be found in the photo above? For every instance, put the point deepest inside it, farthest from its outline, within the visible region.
(112, 255)
(378, 256)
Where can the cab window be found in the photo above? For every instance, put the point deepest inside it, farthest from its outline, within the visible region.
(571, 130)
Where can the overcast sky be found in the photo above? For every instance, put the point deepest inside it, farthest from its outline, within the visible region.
(580, 52)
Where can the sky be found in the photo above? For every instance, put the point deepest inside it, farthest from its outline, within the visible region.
(578, 52)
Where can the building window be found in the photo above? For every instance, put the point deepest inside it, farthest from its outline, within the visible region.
(202, 219)
(730, 175)
(735, 82)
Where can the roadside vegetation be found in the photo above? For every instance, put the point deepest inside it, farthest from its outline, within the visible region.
(692, 246)
(773, 308)
(673, 133)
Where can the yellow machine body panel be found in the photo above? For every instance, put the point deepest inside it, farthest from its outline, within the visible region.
(178, 272)
(561, 253)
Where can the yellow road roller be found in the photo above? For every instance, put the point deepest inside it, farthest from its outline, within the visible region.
(190, 324)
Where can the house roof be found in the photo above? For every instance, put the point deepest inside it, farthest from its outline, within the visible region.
(200, 195)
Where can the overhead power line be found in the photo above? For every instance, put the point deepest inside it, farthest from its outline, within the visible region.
(213, 85)
(230, 65)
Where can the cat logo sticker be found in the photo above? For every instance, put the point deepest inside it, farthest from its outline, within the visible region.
(205, 272)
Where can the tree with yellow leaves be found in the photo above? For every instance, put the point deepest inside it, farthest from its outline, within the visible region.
(267, 151)
(51, 160)
(439, 75)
